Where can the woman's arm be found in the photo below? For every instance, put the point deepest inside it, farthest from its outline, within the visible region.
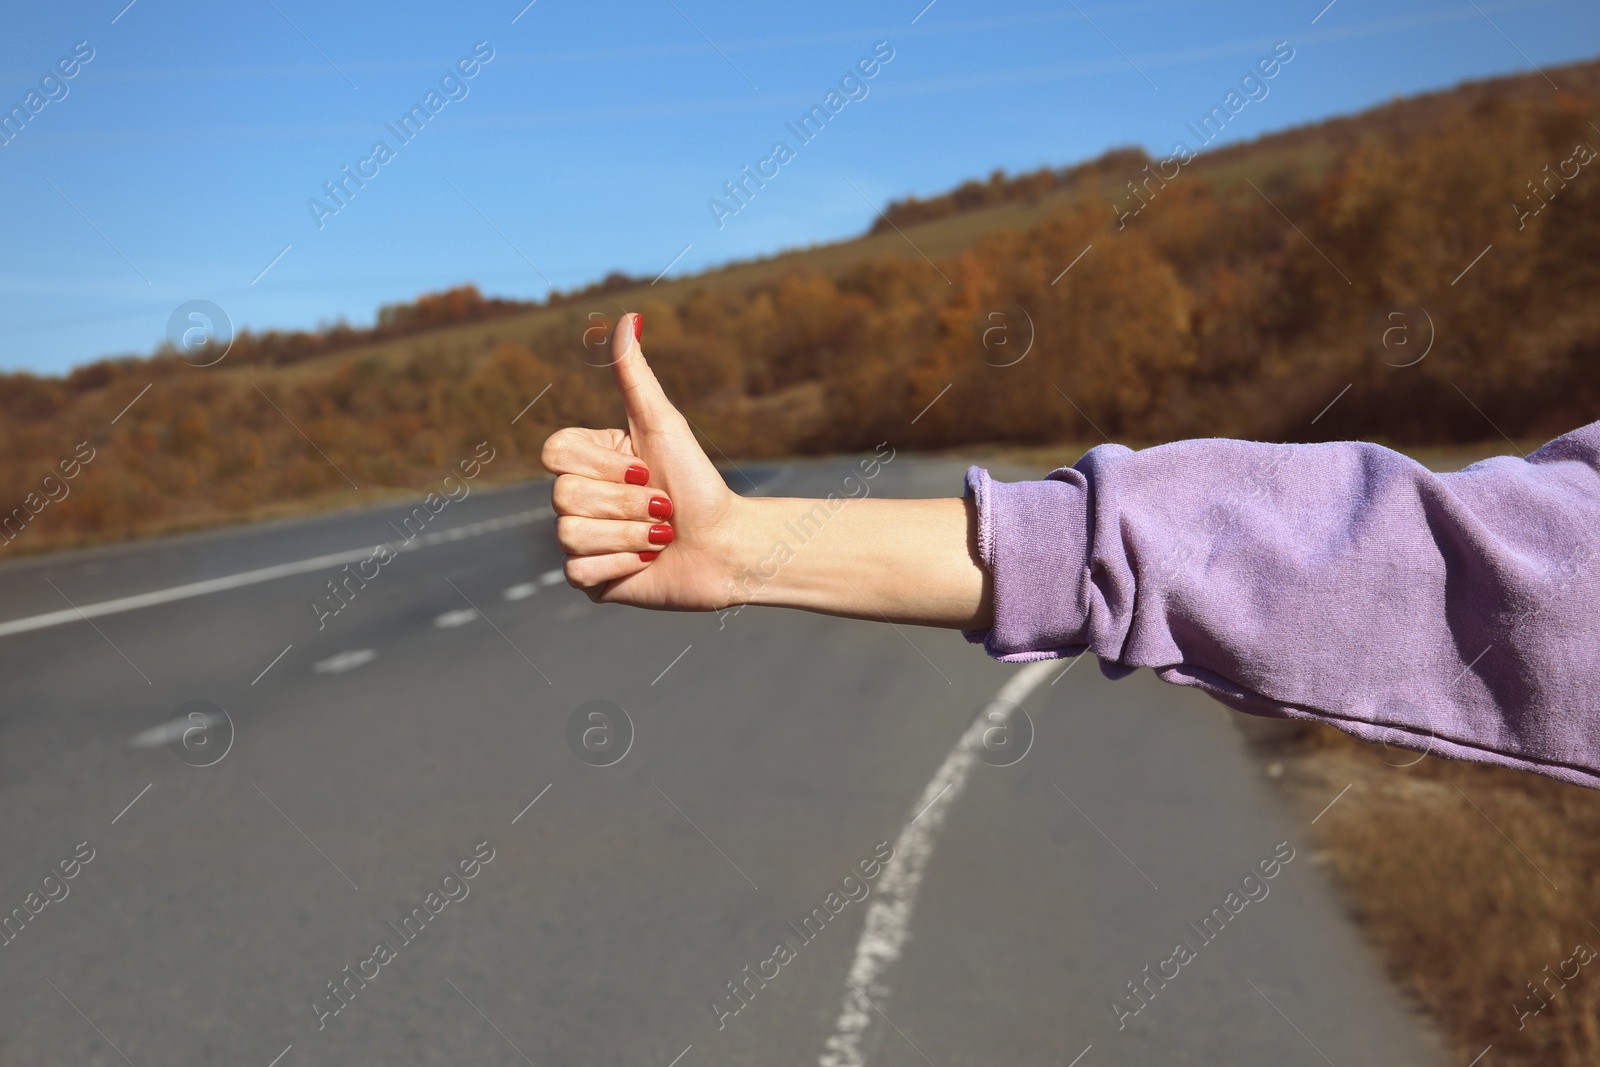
(1455, 613)
(913, 561)
(909, 561)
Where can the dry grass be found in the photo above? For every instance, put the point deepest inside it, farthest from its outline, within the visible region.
(1470, 880)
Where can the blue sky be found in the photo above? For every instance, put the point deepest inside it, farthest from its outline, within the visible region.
(179, 162)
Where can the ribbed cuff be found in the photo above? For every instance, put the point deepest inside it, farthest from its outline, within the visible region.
(1034, 538)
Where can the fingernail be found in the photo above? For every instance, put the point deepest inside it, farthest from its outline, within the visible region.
(648, 556)
(638, 326)
(660, 507)
(637, 475)
(661, 535)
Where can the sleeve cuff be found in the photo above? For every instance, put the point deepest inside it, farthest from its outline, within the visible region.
(1034, 539)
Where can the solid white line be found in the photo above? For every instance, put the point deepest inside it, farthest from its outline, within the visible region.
(1479, 1056)
(262, 574)
(1080, 1056)
(679, 1056)
(924, 811)
(131, 803)
(280, 1056)
(888, 922)
(524, 11)
(273, 664)
(531, 803)
(1331, 803)
(1324, 11)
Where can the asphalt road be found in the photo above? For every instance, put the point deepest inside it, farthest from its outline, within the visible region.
(772, 753)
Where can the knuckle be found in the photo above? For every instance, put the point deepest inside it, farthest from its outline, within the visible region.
(557, 450)
(563, 494)
(566, 533)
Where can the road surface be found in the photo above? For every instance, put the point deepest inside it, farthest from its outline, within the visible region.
(773, 757)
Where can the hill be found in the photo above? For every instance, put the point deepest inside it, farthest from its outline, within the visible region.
(1421, 272)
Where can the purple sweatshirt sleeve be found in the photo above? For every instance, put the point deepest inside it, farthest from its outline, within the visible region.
(1454, 613)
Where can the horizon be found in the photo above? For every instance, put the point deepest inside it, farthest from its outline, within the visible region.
(96, 271)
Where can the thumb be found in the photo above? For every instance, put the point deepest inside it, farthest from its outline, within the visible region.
(647, 405)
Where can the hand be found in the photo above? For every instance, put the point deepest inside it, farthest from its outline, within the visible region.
(605, 522)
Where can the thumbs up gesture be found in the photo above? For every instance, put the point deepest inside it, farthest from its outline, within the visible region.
(643, 516)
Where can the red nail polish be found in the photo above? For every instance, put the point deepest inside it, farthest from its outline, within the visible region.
(660, 507)
(648, 556)
(661, 535)
(638, 327)
(637, 475)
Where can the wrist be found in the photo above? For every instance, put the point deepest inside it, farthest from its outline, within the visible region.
(758, 547)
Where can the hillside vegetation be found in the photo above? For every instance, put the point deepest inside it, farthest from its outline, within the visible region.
(1253, 286)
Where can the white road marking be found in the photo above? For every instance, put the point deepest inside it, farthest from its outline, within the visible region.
(263, 574)
(888, 922)
(167, 732)
(280, 1056)
(520, 591)
(554, 577)
(451, 619)
(344, 661)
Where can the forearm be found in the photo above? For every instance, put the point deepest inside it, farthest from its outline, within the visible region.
(1340, 582)
(912, 561)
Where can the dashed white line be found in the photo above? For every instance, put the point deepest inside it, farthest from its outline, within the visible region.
(344, 661)
(451, 619)
(265, 574)
(555, 577)
(888, 922)
(520, 591)
(168, 732)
